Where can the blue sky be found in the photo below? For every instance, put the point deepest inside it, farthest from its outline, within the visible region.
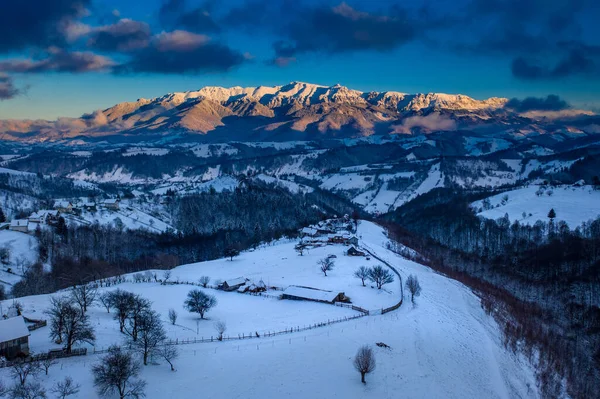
(81, 55)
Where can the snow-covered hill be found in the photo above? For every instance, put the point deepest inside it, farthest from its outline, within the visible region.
(572, 204)
(444, 347)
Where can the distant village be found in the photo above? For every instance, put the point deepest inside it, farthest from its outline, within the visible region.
(50, 217)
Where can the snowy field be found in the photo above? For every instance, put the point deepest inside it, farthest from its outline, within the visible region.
(444, 347)
(574, 205)
(22, 253)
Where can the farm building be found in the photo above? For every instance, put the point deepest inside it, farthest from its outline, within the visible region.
(14, 338)
(111, 204)
(309, 232)
(21, 225)
(233, 284)
(354, 252)
(63, 206)
(312, 294)
(45, 216)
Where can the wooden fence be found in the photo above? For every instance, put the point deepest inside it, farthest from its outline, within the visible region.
(396, 306)
(244, 336)
(55, 354)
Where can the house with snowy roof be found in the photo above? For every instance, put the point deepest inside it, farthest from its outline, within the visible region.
(63, 206)
(112, 203)
(14, 338)
(45, 216)
(233, 284)
(297, 292)
(21, 225)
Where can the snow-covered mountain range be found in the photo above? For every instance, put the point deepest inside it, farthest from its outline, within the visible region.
(296, 111)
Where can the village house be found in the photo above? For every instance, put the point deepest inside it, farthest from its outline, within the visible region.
(63, 206)
(296, 292)
(355, 252)
(14, 338)
(21, 225)
(45, 216)
(112, 204)
(233, 284)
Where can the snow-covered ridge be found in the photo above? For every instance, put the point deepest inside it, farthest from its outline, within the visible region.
(311, 94)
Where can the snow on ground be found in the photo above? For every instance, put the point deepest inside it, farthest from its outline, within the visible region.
(15, 172)
(477, 146)
(116, 175)
(145, 151)
(22, 253)
(289, 185)
(279, 265)
(130, 217)
(443, 347)
(347, 181)
(213, 150)
(220, 184)
(574, 205)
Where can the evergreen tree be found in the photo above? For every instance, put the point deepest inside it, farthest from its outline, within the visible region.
(552, 214)
(2, 216)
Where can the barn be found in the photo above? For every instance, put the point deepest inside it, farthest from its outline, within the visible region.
(297, 292)
(233, 284)
(14, 338)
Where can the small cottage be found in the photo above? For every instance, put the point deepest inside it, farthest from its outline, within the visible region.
(14, 338)
(354, 252)
(21, 225)
(112, 204)
(233, 284)
(63, 206)
(296, 292)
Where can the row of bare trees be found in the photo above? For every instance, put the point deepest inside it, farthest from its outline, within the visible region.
(377, 274)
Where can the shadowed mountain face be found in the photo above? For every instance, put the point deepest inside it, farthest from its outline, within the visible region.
(297, 111)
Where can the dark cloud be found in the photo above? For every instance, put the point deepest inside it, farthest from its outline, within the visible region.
(550, 103)
(7, 88)
(125, 35)
(37, 23)
(575, 63)
(343, 28)
(182, 52)
(528, 30)
(174, 14)
(57, 60)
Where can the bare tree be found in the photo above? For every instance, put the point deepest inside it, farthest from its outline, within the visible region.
(65, 388)
(326, 264)
(199, 302)
(150, 334)
(117, 373)
(380, 276)
(122, 302)
(22, 369)
(47, 363)
(362, 273)
(300, 248)
(3, 388)
(84, 295)
(138, 308)
(364, 362)
(204, 280)
(231, 252)
(106, 299)
(172, 316)
(31, 390)
(76, 328)
(169, 353)
(166, 275)
(221, 327)
(56, 312)
(413, 286)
